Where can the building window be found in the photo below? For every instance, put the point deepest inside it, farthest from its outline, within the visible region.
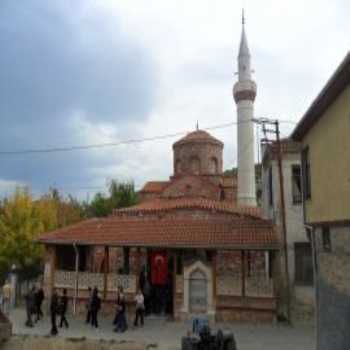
(222, 195)
(303, 264)
(195, 165)
(213, 166)
(326, 239)
(305, 162)
(270, 187)
(296, 184)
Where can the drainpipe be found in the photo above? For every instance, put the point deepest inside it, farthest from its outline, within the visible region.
(76, 277)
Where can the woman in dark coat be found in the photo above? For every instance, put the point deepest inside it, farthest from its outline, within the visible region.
(95, 307)
(120, 319)
(63, 309)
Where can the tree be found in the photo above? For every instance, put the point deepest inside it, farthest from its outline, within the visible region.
(120, 195)
(21, 221)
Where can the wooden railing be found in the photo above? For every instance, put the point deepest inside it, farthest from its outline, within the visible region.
(67, 279)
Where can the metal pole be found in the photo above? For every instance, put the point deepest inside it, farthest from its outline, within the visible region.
(283, 217)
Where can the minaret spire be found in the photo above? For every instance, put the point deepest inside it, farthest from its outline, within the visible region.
(244, 93)
(244, 69)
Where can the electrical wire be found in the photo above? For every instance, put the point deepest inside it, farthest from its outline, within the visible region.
(115, 144)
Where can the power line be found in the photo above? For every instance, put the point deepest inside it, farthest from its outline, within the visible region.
(115, 144)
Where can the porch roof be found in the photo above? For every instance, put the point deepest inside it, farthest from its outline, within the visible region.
(235, 233)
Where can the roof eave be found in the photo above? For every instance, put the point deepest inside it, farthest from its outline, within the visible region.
(334, 86)
(271, 246)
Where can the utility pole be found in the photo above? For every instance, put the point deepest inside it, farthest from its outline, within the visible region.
(275, 130)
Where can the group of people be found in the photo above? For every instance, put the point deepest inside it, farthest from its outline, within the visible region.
(120, 320)
(59, 305)
(33, 301)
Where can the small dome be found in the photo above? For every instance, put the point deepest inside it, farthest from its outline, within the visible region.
(198, 136)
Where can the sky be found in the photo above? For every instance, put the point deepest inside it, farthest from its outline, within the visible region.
(82, 72)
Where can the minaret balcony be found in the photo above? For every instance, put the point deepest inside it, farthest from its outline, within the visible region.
(244, 90)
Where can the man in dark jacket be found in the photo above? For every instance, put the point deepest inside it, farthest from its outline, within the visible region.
(39, 298)
(53, 311)
(30, 306)
(95, 307)
(63, 308)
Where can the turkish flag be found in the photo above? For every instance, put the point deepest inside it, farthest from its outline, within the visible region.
(159, 273)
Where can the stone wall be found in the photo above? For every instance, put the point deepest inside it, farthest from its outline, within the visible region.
(333, 286)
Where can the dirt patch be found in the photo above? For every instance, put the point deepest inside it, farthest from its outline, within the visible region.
(50, 343)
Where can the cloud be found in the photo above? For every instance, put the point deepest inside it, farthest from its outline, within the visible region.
(59, 60)
(81, 72)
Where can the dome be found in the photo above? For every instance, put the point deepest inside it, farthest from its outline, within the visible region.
(198, 153)
(198, 136)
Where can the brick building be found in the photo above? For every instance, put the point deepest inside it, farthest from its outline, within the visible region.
(198, 250)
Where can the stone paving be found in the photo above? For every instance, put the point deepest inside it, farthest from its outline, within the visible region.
(167, 335)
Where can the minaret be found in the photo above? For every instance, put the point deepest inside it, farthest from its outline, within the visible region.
(244, 92)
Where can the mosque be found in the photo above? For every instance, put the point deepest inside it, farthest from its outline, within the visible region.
(198, 240)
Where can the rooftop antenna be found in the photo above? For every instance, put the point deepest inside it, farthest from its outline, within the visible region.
(243, 19)
(197, 126)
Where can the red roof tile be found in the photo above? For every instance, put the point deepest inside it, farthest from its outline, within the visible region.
(161, 204)
(198, 136)
(238, 233)
(154, 186)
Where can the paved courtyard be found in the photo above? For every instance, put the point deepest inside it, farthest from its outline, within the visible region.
(168, 334)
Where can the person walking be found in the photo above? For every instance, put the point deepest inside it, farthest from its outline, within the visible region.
(88, 306)
(95, 307)
(54, 310)
(30, 306)
(39, 298)
(63, 309)
(139, 308)
(6, 297)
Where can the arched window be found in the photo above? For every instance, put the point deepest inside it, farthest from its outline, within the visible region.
(195, 165)
(222, 195)
(213, 166)
(177, 166)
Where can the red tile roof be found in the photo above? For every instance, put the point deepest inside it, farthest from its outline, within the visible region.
(154, 186)
(238, 233)
(161, 204)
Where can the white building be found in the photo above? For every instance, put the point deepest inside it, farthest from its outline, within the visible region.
(298, 244)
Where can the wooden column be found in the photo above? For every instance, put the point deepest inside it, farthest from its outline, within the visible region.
(105, 272)
(174, 282)
(76, 278)
(214, 265)
(243, 272)
(50, 269)
(137, 267)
